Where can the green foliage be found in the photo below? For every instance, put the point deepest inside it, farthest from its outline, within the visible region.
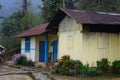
(65, 58)
(103, 65)
(100, 5)
(51, 7)
(72, 4)
(55, 71)
(15, 24)
(65, 70)
(67, 66)
(94, 72)
(23, 61)
(9, 43)
(116, 66)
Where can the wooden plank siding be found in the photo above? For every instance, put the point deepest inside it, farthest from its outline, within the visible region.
(86, 46)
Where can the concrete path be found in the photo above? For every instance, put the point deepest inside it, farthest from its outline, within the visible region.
(21, 74)
(40, 76)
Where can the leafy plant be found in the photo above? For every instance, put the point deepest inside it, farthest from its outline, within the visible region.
(23, 61)
(65, 70)
(65, 58)
(94, 72)
(116, 66)
(67, 66)
(55, 71)
(16, 56)
(103, 65)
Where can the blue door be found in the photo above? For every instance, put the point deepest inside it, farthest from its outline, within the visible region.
(55, 50)
(42, 51)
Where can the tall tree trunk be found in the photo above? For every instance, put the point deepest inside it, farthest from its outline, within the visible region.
(45, 11)
(24, 7)
(64, 4)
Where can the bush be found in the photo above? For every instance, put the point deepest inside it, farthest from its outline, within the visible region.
(67, 66)
(116, 66)
(94, 72)
(84, 70)
(65, 58)
(16, 56)
(103, 65)
(23, 61)
(55, 71)
(65, 70)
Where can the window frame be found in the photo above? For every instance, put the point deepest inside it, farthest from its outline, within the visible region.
(27, 44)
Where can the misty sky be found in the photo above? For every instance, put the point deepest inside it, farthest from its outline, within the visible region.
(10, 6)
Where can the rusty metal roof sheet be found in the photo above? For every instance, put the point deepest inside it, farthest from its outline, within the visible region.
(85, 17)
(37, 30)
(90, 17)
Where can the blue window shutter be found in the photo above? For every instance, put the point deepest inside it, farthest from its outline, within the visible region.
(27, 44)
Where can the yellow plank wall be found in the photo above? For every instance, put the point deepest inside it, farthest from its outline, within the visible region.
(86, 46)
(95, 49)
(68, 37)
(51, 38)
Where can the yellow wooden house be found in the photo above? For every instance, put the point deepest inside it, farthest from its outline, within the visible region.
(87, 36)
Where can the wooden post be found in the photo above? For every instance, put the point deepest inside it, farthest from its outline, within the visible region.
(46, 47)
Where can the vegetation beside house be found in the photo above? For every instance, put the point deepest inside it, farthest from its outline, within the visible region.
(69, 67)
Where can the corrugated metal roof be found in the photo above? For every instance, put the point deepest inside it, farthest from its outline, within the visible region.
(90, 17)
(37, 30)
(85, 17)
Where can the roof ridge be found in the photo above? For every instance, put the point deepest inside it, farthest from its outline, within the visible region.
(99, 12)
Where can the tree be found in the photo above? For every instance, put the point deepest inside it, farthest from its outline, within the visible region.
(50, 7)
(0, 6)
(100, 5)
(18, 22)
(24, 6)
(72, 4)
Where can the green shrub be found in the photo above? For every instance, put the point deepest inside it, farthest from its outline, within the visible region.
(79, 68)
(65, 58)
(84, 70)
(103, 65)
(55, 71)
(23, 61)
(116, 66)
(67, 66)
(65, 70)
(94, 72)
(30, 63)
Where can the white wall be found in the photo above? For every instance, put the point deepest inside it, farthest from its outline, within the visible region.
(31, 54)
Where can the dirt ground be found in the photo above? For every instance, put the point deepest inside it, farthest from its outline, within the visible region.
(5, 69)
(15, 77)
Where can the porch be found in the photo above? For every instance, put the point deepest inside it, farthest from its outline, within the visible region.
(46, 50)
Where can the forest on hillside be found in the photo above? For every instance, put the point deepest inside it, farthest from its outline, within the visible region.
(25, 18)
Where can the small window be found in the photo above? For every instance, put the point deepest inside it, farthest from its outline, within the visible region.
(27, 44)
(70, 42)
